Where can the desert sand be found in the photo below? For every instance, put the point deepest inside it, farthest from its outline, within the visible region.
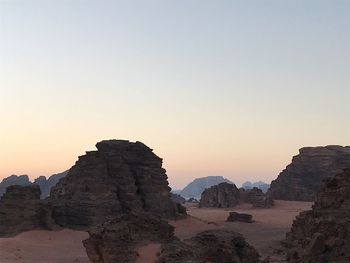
(65, 246)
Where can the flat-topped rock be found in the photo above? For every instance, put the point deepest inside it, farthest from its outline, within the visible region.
(239, 217)
(301, 179)
(221, 195)
(121, 177)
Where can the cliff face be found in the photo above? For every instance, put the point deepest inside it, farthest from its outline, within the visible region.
(301, 179)
(221, 195)
(323, 234)
(21, 209)
(121, 177)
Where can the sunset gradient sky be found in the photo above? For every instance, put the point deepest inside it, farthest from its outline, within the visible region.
(230, 88)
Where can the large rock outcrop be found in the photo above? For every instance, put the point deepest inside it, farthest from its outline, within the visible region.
(256, 197)
(221, 195)
(21, 210)
(121, 177)
(323, 234)
(214, 246)
(115, 240)
(13, 180)
(47, 183)
(301, 179)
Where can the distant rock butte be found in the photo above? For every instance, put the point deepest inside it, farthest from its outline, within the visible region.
(221, 195)
(13, 180)
(261, 185)
(323, 234)
(301, 179)
(196, 187)
(121, 177)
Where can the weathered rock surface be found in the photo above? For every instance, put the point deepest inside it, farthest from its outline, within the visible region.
(47, 183)
(301, 179)
(13, 180)
(240, 217)
(115, 240)
(21, 210)
(256, 197)
(323, 234)
(197, 186)
(214, 246)
(221, 195)
(121, 177)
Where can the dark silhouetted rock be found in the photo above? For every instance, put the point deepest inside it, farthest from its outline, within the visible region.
(256, 197)
(261, 185)
(214, 246)
(121, 177)
(21, 210)
(47, 184)
(177, 198)
(196, 188)
(323, 234)
(301, 180)
(115, 240)
(13, 180)
(240, 217)
(221, 195)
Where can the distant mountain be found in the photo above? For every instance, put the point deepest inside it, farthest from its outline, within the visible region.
(261, 185)
(196, 187)
(13, 180)
(45, 184)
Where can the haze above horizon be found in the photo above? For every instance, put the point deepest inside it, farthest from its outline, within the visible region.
(229, 88)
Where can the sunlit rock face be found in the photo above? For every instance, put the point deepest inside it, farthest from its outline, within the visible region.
(21, 210)
(323, 234)
(301, 179)
(119, 178)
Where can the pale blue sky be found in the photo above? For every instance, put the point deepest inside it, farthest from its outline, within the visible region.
(228, 88)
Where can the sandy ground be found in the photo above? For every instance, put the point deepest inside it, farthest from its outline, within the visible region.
(65, 246)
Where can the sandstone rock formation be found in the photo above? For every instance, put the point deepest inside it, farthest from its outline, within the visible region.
(197, 186)
(121, 177)
(214, 246)
(323, 234)
(240, 217)
(256, 197)
(115, 240)
(21, 209)
(261, 185)
(13, 180)
(47, 184)
(177, 198)
(301, 180)
(221, 195)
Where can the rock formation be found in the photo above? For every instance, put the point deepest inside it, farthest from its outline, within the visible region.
(197, 186)
(13, 180)
(47, 184)
(301, 179)
(21, 210)
(256, 197)
(115, 240)
(261, 185)
(221, 195)
(240, 217)
(214, 246)
(121, 177)
(177, 198)
(323, 234)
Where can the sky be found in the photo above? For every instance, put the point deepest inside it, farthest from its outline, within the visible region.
(231, 88)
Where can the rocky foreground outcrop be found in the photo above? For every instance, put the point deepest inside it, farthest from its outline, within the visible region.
(115, 240)
(302, 179)
(214, 246)
(323, 234)
(221, 195)
(121, 177)
(21, 209)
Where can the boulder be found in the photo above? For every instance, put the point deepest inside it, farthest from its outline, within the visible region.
(177, 198)
(214, 246)
(21, 210)
(121, 177)
(115, 240)
(221, 195)
(323, 234)
(302, 179)
(240, 217)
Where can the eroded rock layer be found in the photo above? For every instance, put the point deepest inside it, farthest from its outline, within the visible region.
(301, 179)
(323, 234)
(21, 210)
(121, 177)
(221, 195)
